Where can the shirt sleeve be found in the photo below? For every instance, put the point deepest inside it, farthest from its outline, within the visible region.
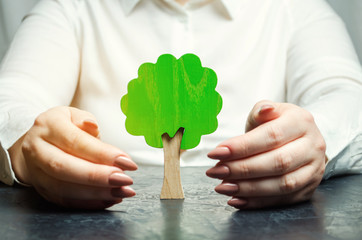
(325, 77)
(39, 71)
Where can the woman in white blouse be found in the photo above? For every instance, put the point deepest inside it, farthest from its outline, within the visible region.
(70, 62)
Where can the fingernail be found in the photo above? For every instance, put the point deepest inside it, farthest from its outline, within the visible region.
(123, 192)
(219, 171)
(219, 153)
(265, 108)
(227, 188)
(90, 122)
(119, 179)
(129, 191)
(237, 202)
(125, 163)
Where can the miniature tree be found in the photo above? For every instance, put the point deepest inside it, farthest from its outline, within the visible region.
(172, 103)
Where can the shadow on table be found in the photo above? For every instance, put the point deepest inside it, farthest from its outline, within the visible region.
(39, 219)
(295, 222)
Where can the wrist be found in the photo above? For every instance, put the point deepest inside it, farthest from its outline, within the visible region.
(18, 164)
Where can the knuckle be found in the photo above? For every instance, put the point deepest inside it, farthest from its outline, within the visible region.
(283, 161)
(244, 170)
(308, 117)
(49, 116)
(321, 145)
(40, 120)
(275, 135)
(249, 189)
(72, 139)
(103, 154)
(241, 148)
(94, 177)
(252, 189)
(288, 184)
(29, 147)
(54, 166)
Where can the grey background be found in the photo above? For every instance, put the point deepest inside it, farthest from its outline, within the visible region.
(12, 11)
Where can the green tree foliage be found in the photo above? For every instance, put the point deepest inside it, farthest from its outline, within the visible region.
(169, 95)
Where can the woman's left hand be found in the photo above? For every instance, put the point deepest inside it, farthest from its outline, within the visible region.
(280, 159)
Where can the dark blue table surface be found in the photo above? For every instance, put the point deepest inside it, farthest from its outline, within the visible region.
(335, 212)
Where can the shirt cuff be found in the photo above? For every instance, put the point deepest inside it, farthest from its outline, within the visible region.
(348, 161)
(7, 174)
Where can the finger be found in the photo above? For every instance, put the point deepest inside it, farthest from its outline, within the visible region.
(265, 202)
(85, 121)
(273, 186)
(79, 204)
(66, 167)
(80, 197)
(66, 136)
(63, 189)
(273, 163)
(264, 138)
(89, 204)
(262, 112)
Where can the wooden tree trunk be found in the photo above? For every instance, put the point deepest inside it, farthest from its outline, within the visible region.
(172, 187)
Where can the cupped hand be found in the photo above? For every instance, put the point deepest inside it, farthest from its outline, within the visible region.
(62, 157)
(280, 159)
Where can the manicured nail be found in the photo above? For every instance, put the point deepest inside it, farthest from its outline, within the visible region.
(129, 191)
(227, 188)
(123, 192)
(265, 108)
(125, 163)
(119, 179)
(237, 202)
(219, 153)
(219, 171)
(90, 122)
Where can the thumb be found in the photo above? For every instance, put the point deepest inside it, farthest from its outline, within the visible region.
(85, 121)
(262, 112)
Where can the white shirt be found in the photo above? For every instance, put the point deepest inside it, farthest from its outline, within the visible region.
(84, 53)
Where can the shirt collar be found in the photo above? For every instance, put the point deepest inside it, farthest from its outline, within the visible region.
(232, 7)
(128, 5)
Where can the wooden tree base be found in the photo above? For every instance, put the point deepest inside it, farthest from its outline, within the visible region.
(172, 187)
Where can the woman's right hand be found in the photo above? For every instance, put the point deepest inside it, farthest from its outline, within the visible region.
(62, 157)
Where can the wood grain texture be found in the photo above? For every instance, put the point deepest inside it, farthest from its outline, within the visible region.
(172, 186)
(172, 103)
